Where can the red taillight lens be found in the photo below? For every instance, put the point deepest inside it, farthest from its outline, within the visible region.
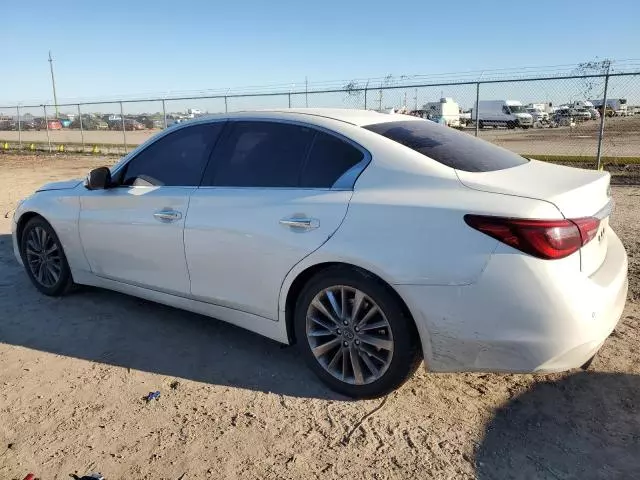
(548, 239)
(588, 227)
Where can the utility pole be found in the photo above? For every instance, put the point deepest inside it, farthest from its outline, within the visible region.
(306, 92)
(53, 83)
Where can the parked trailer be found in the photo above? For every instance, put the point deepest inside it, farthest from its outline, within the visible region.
(503, 113)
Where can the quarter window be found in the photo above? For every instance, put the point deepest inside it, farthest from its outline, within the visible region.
(329, 158)
(177, 159)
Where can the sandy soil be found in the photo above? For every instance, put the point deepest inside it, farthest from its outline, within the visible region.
(73, 372)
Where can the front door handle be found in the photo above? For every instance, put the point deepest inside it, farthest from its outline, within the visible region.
(167, 215)
(300, 223)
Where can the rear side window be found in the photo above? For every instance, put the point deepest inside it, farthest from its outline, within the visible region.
(329, 158)
(447, 146)
(262, 154)
(178, 159)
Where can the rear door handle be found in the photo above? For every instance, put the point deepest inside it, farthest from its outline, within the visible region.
(168, 215)
(300, 223)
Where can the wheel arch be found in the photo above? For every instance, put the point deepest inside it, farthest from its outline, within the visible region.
(23, 220)
(295, 282)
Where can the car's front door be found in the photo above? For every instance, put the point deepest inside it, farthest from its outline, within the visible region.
(133, 231)
(269, 199)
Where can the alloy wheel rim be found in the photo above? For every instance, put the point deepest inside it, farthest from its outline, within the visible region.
(43, 257)
(349, 335)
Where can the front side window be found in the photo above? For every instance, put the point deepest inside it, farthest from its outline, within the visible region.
(177, 159)
(262, 154)
(448, 146)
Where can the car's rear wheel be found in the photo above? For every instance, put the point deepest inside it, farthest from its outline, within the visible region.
(354, 333)
(44, 258)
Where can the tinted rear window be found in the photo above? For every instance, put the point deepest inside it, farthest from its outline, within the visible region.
(443, 144)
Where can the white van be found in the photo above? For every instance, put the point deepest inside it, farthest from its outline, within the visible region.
(503, 113)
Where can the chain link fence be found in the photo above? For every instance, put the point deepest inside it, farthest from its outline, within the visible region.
(590, 118)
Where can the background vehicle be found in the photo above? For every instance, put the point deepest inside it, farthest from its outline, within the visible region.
(131, 124)
(53, 124)
(617, 105)
(538, 116)
(503, 113)
(563, 117)
(327, 233)
(90, 123)
(446, 109)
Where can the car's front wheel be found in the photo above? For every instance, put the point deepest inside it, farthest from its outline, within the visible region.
(354, 333)
(44, 259)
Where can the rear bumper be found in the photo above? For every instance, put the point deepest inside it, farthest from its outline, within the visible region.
(523, 315)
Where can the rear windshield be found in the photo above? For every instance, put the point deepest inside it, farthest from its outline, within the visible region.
(454, 149)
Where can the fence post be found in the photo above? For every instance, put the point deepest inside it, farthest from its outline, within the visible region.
(604, 114)
(46, 123)
(164, 114)
(124, 133)
(19, 128)
(366, 88)
(289, 99)
(477, 108)
(226, 108)
(81, 128)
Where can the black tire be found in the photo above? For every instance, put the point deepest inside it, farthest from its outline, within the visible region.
(511, 125)
(480, 124)
(406, 355)
(64, 282)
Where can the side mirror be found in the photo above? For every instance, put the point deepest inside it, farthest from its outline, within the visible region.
(98, 179)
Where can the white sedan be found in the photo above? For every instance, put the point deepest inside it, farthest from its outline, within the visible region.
(373, 241)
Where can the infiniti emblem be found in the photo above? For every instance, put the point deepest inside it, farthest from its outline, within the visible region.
(348, 334)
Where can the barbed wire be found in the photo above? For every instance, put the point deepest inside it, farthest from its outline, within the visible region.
(387, 81)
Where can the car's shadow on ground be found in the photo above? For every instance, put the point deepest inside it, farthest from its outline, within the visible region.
(586, 425)
(111, 328)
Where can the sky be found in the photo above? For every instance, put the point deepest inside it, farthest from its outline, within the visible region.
(137, 47)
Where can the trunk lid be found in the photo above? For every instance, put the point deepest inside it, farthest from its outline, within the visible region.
(575, 192)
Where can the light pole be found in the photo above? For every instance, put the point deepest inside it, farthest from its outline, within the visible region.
(53, 83)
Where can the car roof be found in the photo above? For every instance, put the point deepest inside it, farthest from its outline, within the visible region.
(351, 116)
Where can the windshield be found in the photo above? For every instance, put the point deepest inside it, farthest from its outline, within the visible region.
(448, 146)
(517, 109)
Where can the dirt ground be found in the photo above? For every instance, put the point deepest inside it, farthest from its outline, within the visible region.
(622, 138)
(73, 372)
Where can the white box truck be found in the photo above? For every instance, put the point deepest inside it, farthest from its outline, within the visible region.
(503, 113)
(618, 105)
(446, 109)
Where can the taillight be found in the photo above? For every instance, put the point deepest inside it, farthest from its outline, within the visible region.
(548, 239)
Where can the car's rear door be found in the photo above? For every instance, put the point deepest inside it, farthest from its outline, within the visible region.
(133, 232)
(274, 192)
